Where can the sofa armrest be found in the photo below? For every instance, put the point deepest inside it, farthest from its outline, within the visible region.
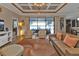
(52, 35)
(72, 51)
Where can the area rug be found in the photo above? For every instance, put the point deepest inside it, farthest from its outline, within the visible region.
(39, 47)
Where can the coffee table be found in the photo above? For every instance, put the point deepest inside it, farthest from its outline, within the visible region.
(12, 50)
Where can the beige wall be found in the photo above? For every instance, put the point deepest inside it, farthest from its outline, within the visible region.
(27, 25)
(57, 24)
(7, 16)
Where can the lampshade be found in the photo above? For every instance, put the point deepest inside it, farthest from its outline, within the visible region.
(78, 19)
(39, 4)
(21, 24)
(21, 32)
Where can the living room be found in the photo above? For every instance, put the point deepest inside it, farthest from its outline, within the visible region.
(34, 25)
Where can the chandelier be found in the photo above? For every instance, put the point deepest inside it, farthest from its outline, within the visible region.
(39, 4)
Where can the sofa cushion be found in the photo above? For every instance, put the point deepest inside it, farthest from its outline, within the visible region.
(63, 36)
(59, 36)
(61, 46)
(72, 51)
(77, 45)
(70, 41)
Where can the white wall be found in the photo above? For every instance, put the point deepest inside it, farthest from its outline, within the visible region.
(7, 16)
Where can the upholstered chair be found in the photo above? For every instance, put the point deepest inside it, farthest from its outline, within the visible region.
(42, 34)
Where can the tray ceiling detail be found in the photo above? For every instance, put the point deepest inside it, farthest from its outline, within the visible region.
(39, 7)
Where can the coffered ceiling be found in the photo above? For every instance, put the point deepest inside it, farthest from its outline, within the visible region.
(49, 9)
(46, 8)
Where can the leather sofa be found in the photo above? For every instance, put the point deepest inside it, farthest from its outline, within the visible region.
(62, 48)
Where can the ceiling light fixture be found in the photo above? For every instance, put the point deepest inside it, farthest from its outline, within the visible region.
(39, 4)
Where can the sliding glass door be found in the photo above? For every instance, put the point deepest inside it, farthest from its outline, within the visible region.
(33, 23)
(46, 23)
(41, 23)
(50, 25)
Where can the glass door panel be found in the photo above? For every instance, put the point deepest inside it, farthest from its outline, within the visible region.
(33, 23)
(41, 23)
(50, 25)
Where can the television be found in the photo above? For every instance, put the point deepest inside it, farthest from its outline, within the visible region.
(1, 25)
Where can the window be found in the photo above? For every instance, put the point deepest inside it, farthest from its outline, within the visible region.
(33, 23)
(50, 25)
(42, 23)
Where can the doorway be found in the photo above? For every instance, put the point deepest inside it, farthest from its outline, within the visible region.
(15, 27)
(68, 26)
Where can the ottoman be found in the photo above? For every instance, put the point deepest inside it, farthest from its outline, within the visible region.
(12, 50)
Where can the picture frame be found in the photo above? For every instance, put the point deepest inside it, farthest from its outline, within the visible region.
(62, 23)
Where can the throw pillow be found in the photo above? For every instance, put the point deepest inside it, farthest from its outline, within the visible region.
(59, 36)
(70, 41)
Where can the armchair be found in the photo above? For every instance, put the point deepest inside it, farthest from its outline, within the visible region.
(42, 33)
